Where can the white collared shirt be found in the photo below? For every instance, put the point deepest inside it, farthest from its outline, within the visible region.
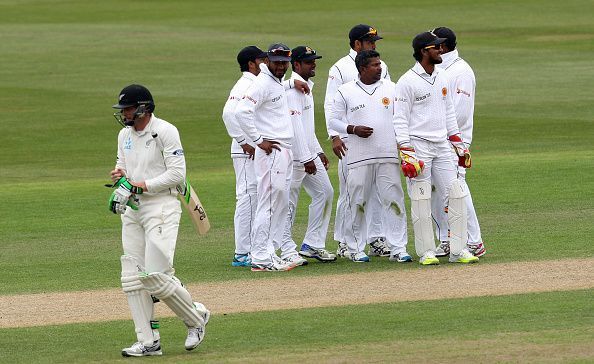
(356, 103)
(343, 71)
(233, 128)
(153, 155)
(306, 146)
(462, 83)
(424, 107)
(263, 113)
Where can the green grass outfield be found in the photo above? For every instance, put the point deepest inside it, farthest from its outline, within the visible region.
(62, 64)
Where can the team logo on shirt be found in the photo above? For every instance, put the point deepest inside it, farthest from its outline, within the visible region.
(385, 101)
(444, 92)
(178, 152)
(128, 144)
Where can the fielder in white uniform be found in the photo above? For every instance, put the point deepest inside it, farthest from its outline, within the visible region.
(263, 115)
(367, 106)
(462, 82)
(150, 164)
(362, 37)
(242, 154)
(424, 122)
(309, 162)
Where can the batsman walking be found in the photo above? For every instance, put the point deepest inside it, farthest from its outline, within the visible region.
(150, 165)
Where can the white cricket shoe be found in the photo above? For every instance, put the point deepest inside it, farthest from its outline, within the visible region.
(195, 337)
(464, 257)
(429, 258)
(443, 250)
(295, 260)
(138, 349)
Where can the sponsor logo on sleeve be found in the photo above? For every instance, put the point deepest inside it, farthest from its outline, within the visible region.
(178, 152)
(459, 91)
(250, 99)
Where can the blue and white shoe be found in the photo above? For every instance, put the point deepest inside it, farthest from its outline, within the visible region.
(359, 257)
(242, 260)
(320, 254)
(403, 257)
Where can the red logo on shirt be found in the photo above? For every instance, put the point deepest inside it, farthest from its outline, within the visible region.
(249, 98)
(386, 101)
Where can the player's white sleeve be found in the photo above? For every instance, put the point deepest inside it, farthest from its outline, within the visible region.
(289, 84)
(402, 108)
(337, 114)
(387, 76)
(233, 128)
(245, 112)
(300, 148)
(463, 97)
(334, 82)
(317, 147)
(175, 162)
(121, 157)
(451, 122)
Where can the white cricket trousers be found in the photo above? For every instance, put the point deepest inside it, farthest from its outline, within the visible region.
(246, 200)
(341, 203)
(319, 188)
(439, 205)
(149, 234)
(439, 171)
(382, 179)
(273, 173)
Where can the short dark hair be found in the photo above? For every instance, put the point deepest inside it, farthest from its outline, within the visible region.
(363, 58)
(418, 55)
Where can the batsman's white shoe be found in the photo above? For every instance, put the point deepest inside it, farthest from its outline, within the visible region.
(296, 260)
(359, 257)
(342, 250)
(478, 250)
(465, 257)
(403, 257)
(322, 255)
(429, 258)
(277, 265)
(138, 349)
(379, 248)
(443, 250)
(195, 337)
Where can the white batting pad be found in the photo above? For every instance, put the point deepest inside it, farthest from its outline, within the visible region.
(420, 211)
(457, 217)
(139, 300)
(174, 295)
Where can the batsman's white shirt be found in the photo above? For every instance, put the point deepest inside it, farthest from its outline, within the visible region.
(424, 108)
(267, 97)
(154, 155)
(231, 123)
(462, 86)
(356, 103)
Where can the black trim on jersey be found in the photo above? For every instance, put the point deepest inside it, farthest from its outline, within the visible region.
(451, 64)
(424, 79)
(340, 73)
(361, 87)
(418, 137)
(276, 79)
(369, 159)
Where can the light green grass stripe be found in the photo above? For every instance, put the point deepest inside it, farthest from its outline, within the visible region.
(520, 326)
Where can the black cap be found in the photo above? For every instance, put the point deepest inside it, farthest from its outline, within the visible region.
(250, 53)
(363, 32)
(426, 39)
(448, 34)
(135, 95)
(303, 53)
(279, 52)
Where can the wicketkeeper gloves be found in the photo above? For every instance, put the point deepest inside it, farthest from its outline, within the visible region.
(464, 159)
(410, 164)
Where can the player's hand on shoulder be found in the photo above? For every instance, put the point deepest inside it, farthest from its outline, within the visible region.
(302, 86)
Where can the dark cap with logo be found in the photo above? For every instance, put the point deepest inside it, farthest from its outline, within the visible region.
(448, 34)
(426, 39)
(279, 52)
(303, 53)
(363, 32)
(250, 53)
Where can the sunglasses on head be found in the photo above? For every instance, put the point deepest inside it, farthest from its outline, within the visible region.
(371, 33)
(433, 46)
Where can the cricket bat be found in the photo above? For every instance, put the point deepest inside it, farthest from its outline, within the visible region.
(190, 200)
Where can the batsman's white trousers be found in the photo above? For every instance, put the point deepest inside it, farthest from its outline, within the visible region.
(273, 173)
(246, 201)
(382, 179)
(439, 205)
(439, 171)
(149, 235)
(319, 188)
(341, 203)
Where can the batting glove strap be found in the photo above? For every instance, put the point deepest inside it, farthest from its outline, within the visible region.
(125, 184)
